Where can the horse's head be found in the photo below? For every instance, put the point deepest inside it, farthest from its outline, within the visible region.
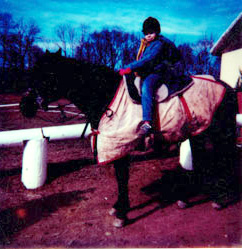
(44, 81)
(89, 86)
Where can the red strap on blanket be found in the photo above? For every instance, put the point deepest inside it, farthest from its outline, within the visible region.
(239, 98)
(95, 132)
(186, 108)
(204, 78)
(93, 137)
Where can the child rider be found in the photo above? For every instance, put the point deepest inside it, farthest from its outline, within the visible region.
(156, 64)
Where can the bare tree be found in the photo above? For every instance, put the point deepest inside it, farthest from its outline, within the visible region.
(16, 48)
(67, 35)
(203, 62)
(26, 35)
(83, 48)
(109, 47)
(129, 48)
(98, 53)
(7, 26)
(188, 57)
(71, 33)
(20, 46)
(30, 38)
(61, 32)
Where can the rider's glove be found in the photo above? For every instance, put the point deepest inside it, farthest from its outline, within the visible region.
(125, 71)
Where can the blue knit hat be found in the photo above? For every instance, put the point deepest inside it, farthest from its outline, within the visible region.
(151, 25)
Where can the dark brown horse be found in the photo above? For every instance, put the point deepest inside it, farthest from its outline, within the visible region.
(92, 87)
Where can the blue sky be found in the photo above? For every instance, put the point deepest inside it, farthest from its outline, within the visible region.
(184, 21)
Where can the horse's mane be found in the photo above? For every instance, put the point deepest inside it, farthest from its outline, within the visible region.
(88, 85)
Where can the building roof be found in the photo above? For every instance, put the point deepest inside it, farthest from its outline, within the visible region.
(230, 40)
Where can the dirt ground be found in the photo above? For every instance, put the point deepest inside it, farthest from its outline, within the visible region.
(71, 209)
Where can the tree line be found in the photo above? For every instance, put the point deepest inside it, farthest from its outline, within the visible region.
(113, 47)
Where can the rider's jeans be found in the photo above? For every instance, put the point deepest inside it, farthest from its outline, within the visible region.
(150, 84)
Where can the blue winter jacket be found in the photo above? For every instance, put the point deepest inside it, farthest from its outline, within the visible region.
(162, 57)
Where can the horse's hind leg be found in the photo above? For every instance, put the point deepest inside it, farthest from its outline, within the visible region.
(223, 135)
(214, 155)
(121, 207)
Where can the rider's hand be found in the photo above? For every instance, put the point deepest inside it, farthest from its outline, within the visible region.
(125, 71)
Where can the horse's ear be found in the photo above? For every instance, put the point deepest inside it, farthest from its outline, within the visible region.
(47, 52)
(59, 52)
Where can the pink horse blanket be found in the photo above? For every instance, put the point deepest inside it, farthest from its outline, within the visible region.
(176, 118)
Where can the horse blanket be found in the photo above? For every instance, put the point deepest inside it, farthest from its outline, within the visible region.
(177, 118)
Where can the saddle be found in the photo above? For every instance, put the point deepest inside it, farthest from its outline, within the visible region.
(134, 87)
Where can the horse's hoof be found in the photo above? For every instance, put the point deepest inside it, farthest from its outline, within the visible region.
(217, 206)
(118, 223)
(149, 142)
(182, 204)
(112, 211)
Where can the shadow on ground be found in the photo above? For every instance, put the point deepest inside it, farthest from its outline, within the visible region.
(15, 219)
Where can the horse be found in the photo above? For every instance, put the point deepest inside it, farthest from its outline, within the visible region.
(92, 87)
(86, 85)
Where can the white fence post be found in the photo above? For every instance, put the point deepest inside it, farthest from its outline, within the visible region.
(34, 165)
(239, 120)
(186, 155)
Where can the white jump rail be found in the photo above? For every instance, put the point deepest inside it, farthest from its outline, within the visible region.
(35, 141)
(49, 111)
(9, 105)
(19, 137)
(50, 106)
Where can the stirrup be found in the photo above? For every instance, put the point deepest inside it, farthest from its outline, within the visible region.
(144, 129)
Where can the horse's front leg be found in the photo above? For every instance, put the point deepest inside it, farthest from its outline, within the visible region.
(122, 205)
